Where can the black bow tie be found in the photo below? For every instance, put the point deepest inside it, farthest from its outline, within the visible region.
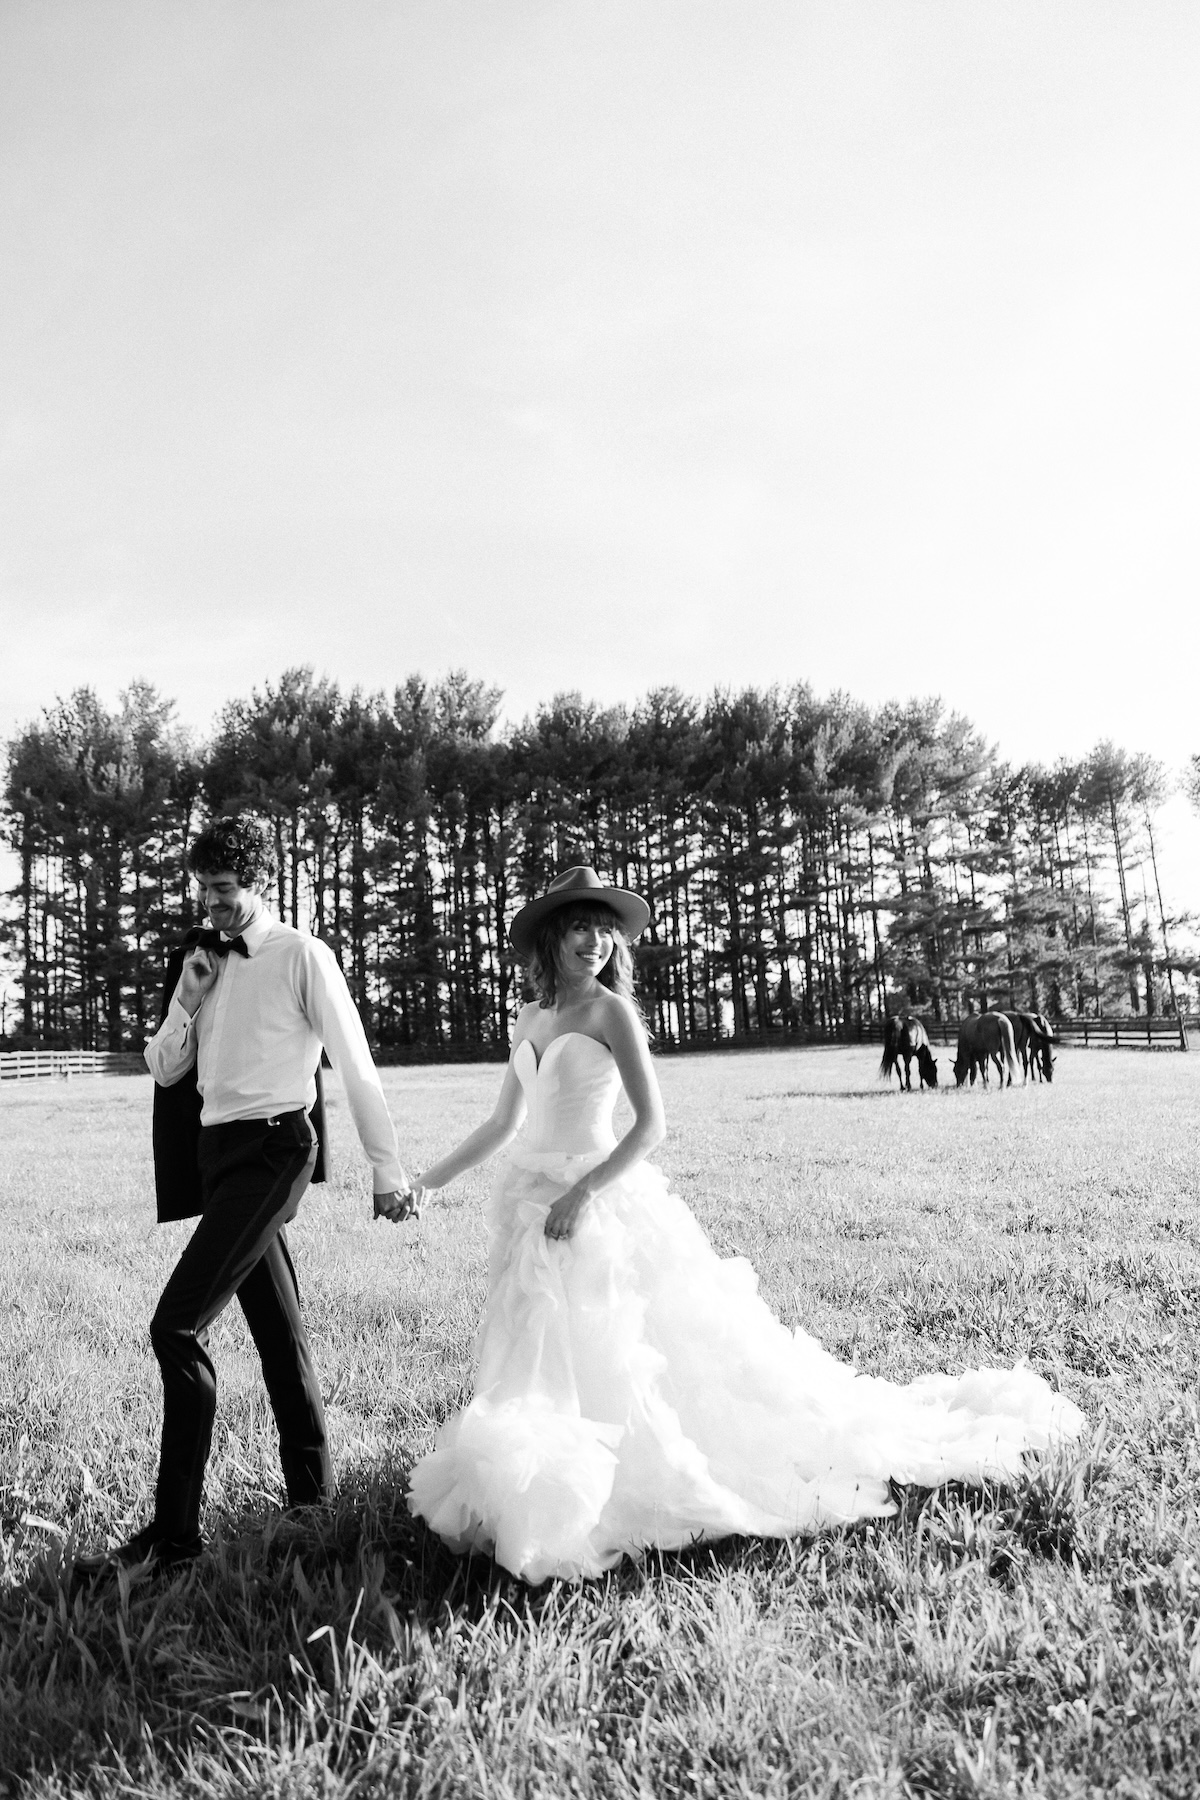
(212, 940)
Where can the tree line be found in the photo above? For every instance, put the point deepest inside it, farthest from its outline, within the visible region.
(811, 864)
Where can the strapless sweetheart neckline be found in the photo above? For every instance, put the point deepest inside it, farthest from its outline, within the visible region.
(538, 1061)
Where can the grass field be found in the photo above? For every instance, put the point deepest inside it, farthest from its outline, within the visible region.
(1041, 1641)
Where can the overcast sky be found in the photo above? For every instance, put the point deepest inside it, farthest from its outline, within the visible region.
(607, 346)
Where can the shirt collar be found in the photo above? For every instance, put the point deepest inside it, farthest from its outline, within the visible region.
(255, 933)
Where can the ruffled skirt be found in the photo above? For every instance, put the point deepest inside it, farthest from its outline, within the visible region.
(633, 1390)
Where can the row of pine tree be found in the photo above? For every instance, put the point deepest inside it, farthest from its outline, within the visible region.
(810, 863)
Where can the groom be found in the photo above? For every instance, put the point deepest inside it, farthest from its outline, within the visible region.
(256, 1000)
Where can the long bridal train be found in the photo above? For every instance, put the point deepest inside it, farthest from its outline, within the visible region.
(633, 1390)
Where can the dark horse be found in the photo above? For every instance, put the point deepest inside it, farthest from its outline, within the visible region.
(908, 1038)
(1033, 1036)
(983, 1038)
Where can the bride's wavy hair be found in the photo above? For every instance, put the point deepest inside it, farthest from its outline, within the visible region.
(542, 967)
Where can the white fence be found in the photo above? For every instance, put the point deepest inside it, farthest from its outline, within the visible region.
(21, 1065)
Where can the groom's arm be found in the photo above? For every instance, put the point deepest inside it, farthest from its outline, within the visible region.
(332, 1014)
(171, 1052)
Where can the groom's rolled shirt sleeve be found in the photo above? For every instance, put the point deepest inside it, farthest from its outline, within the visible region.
(332, 1014)
(171, 1052)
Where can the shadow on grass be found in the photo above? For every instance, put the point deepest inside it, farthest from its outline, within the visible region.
(92, 1670)
(1007, 1525)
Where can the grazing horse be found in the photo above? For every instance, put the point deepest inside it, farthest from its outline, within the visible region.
(908, 1038)
(985, 1037)
(1033, 1036)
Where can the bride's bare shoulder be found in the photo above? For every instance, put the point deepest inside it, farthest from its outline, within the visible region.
(619, 1014)
(525, 1021)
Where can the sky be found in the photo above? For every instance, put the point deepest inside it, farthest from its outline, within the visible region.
(606, 347)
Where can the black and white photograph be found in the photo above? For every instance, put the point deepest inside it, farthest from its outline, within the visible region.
(599, 900)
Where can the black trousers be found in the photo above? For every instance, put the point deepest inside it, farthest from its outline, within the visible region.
(253, 1173)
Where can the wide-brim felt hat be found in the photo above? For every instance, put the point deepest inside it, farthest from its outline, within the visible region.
(578, 886)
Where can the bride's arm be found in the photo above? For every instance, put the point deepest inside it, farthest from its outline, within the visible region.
(627, 1041)
(485, 1140)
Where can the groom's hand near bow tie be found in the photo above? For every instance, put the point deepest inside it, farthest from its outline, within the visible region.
(196, 978)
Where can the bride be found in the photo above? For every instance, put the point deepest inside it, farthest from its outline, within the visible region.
(632, 1389)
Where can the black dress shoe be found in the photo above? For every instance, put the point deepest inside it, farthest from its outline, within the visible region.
(147, 1549)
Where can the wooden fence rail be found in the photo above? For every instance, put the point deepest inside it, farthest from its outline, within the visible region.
(1090, 1034)
(1126, 1033)
(22, 1065)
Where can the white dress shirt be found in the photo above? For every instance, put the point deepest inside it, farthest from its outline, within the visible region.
(256, 1041)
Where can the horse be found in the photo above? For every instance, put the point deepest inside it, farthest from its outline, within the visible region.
(982, 1038)
(908, 1038)
(1033, 1035)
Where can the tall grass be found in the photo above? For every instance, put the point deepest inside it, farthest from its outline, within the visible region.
(1042, 1640)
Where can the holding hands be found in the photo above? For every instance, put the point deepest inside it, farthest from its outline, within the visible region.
(403, 1204)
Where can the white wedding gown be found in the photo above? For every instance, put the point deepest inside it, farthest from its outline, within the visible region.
(633, 1390)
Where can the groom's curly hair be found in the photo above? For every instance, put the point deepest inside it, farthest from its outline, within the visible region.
(542, 967)
(239, 844)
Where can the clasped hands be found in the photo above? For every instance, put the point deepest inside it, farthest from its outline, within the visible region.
(401, 1204)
